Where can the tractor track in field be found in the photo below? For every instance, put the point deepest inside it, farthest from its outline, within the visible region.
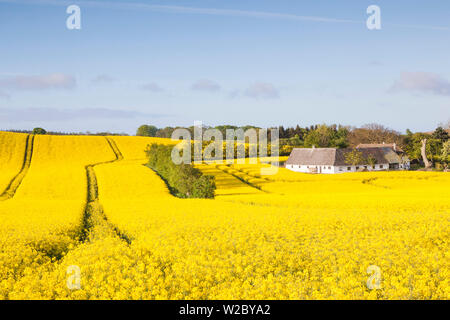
(371, 181)
(95, 223)
(242, 179)
(15, 182)
(252, 175)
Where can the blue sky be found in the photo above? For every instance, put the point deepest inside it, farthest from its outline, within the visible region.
(241, 62)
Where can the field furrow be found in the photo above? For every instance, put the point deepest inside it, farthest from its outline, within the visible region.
(13, 147)
(15, 182)
(95, 223)
(43, 221)
(227, 184)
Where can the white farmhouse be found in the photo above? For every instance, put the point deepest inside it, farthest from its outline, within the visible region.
(331, 160)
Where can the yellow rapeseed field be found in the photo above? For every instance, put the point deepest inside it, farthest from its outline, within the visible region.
(43, 218)
(284, 236)
(12, 152)
(133, 148)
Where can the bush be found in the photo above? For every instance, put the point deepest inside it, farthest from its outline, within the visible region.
(204, 187)
(183, 180)
(38, 131)
(147, 131)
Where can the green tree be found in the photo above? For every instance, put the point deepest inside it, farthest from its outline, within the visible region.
(445, 153)
(165, 132)
(413, 142)
(340, 137)
(147, 131)
(354, 157)
(39, 131)
(319, 137)
(295, 141)
(371, 160)
(440, 134)
(324, 136)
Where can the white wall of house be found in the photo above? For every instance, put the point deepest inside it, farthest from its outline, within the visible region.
(311, 168)
(329, 169)
(297, 168)
(405, 166)
(377, 167)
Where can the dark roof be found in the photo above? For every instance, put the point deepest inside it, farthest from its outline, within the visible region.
(336, 157)
(314, 156)
(392, 146)
(376, 153)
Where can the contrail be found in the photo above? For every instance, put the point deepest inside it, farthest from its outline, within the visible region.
(182, 9)
(210, 11)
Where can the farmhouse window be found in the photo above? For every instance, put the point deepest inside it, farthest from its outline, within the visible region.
(349, 168)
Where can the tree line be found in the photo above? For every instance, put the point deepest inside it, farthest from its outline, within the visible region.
(341, 136)
(39, 130)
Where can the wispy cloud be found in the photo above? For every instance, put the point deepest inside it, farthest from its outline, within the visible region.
(40, 82)
(262, 90)
(206, 85)
(422, 82)
(103, 78)
(54, 114)
(375, 63)
(233, 94)
(152, 86)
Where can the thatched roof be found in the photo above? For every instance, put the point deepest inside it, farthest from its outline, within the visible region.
(336, 157)
(312, 156)
(376, 153)
(392, 146)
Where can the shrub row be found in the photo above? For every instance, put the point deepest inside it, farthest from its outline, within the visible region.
(183, 180)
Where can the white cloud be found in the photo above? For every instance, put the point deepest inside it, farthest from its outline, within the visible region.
(233, 94)
(262, 90)
(41, 82)
(103, 78)
(153, 87)
(206, 85)
(422, 82)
